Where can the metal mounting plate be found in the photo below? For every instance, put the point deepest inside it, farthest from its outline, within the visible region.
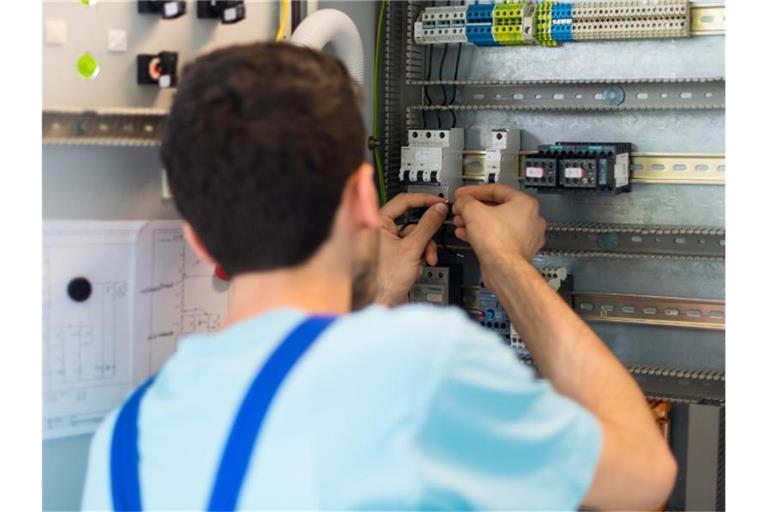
(650, 310)
(600, 95)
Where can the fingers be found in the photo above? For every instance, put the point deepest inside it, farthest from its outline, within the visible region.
(459, 221)
(461, 234)
(430, 255)
(428, 225)
(463, 205)
(494, 193)
(401, 203)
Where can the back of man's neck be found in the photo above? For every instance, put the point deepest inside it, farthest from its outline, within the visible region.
(313, 290)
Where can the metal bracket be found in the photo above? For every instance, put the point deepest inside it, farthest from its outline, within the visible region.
(650, 310)
(707, 19)
(687, 169)
(126, 127)
(583, 95)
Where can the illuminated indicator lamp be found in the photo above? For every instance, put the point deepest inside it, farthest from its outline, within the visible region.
(489, 314)
(534, 172)
(87, 66)
(220, 274)
(89, 3)
(574, 172)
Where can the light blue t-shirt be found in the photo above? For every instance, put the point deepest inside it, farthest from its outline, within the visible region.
(415, 407)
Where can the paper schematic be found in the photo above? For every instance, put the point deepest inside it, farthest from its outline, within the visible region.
(117, 296)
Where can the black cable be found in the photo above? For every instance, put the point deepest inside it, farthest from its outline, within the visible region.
(442, 85)
(426, 87)
(455, 87)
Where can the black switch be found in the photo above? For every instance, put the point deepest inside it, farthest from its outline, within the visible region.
(227, 11)
(167, 10)
(433, 177)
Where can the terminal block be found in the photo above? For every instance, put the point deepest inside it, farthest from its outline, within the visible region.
(166, 10)
(437, 285)
(158, 69)
(480, 25)
(547, 23)
(441, 25)
(579, 166)
(227, 11)
(432, 161)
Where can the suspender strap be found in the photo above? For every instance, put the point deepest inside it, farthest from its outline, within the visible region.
(124, 454)
(239, 448)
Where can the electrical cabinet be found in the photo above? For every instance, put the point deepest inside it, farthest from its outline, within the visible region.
(618, 108)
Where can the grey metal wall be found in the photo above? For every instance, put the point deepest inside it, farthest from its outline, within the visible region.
(124, 183)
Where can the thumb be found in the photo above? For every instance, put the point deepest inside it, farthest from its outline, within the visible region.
(428, 225)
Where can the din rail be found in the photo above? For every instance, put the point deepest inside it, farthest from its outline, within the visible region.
(650, 310)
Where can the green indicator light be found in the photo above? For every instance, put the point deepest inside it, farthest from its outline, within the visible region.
(87, 67)
(595, 148)
(89, 3)
(555, 147)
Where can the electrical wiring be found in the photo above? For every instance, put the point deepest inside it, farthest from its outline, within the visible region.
(442, 85)
(283, 20)
(455, 87)
(426, 87)
(376, 65)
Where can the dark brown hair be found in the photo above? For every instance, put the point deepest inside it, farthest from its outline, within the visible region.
(258, 146)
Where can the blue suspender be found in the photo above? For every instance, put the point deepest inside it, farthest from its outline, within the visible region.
(124, 457)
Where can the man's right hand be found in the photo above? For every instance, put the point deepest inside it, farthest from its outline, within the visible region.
(501, 224)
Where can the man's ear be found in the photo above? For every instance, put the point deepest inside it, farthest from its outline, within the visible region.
(364, 201)
(197, 245)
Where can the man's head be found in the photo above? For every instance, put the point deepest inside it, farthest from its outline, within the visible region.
(264, 149)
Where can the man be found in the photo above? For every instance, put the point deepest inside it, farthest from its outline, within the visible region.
(297, 403)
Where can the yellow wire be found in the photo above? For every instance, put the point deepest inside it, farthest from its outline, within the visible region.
(283, 20)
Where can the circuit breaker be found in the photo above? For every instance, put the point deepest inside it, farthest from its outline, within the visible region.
(432, 161)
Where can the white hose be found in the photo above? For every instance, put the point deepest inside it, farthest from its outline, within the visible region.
(333, 26)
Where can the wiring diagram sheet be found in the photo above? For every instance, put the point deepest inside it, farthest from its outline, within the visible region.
(117, 296)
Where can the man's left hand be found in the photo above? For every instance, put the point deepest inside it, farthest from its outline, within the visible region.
(403, 253)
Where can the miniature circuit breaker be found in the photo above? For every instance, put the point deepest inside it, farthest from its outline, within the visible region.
(579, 166)
(501, 162)
(432, 161)
(497, 161)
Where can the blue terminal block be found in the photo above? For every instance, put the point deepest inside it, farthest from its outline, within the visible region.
(481, 35)
(479, 27)
(480, 13)
(561, 11)
(562, 32)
